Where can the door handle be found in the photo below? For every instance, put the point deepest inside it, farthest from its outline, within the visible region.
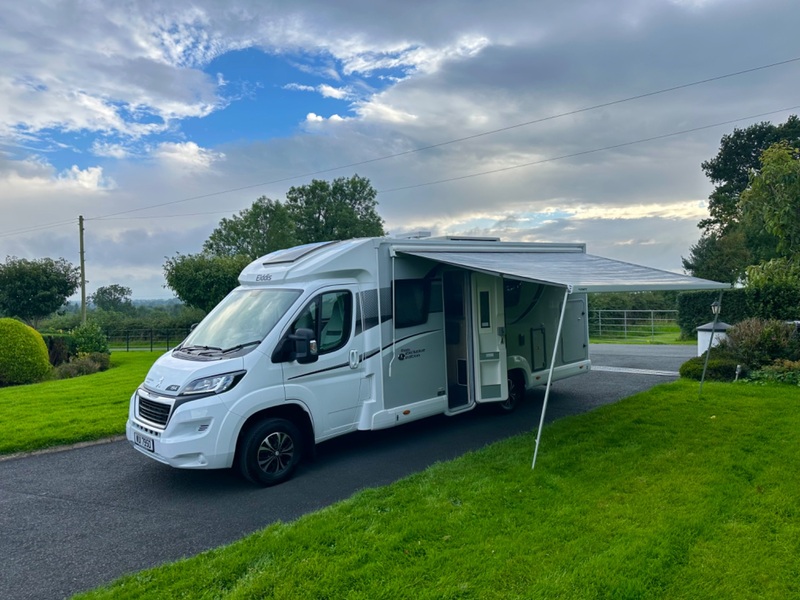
(354, 360)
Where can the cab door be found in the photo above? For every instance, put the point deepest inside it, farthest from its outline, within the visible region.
(330, 386)
(488, 335)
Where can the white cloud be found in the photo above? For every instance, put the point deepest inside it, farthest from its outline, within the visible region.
(314, 119)
(377, 110)
(187, 155)
(88, 179)
(671, 210)
(110, 150)
(328, 91)
(324, 90)
(299, 87)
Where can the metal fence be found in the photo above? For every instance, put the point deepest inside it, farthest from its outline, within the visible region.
(153, 339)
(632, 324)
(603, 324)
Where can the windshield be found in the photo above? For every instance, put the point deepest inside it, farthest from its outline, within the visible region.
(242, 319)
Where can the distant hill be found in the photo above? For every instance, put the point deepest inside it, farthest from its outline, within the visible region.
(156, 302)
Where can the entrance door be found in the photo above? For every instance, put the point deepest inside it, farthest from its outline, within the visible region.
(488, 335)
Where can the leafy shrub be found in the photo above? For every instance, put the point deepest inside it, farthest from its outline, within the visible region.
(83, 364)
(23, 354)
(758, 342)
(781, 370)
(101, 359)
(89, 337)
(57, 349)
(721, 367)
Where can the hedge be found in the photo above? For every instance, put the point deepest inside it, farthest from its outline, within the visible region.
(694, 309)
(766, 302)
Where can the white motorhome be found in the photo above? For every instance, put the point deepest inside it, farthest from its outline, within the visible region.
(329, 338)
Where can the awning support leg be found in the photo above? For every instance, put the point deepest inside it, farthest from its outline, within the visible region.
(550, 376)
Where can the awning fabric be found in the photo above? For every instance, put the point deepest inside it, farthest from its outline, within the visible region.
(576, 271)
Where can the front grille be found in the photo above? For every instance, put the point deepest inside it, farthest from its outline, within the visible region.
(155, 412)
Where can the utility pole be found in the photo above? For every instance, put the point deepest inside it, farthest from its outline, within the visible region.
(83, 271)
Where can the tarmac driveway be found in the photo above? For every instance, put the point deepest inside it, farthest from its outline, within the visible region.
(72, 520)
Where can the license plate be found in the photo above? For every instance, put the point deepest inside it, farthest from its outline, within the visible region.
(144, 442)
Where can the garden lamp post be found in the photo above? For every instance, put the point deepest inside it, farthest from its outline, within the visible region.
(716, 307)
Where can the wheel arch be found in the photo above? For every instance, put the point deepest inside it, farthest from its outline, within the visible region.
(519, 364)
(520, 373)
(293, 413)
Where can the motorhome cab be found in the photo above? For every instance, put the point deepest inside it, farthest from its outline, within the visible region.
(329, 338)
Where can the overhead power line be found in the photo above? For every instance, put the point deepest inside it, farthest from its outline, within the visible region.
(461, 139)
(446, 143)
(34, 228)
(584, 152)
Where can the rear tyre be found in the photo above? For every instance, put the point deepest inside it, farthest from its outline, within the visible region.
(516, 393)
(270, 451)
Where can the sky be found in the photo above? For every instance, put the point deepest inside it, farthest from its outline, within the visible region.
(529, 120)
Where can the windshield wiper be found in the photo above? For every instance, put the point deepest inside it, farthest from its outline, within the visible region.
(203, 348)
(240, 346)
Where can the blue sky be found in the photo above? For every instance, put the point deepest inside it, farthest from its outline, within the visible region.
(261, 95)
(199, 108)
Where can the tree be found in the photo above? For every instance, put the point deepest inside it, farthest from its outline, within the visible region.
(719, 257)
(343, 209)
(202, 280)
(34, 289)
(773, 197)
(113, 298)
(317, 212)
(731, 241)
(739, 156)
(263, 228)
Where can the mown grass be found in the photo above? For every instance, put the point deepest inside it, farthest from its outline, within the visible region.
(66, 411)
(661, 495)
(665, 337)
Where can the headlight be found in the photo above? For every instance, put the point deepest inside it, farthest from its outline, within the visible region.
(215, 384)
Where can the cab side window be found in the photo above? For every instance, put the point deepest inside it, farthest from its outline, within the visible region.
(330, 317)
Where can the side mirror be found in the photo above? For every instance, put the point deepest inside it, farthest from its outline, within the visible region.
(304, 346)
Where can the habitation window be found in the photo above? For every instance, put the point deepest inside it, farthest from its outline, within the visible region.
(412, 302)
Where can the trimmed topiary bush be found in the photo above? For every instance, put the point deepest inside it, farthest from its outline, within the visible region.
(720, 368)
(23, 354)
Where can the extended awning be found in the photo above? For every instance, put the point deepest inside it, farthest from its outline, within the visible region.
(568, 267)
(576, 271)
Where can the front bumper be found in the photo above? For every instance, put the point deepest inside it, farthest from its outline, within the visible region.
(189, 440)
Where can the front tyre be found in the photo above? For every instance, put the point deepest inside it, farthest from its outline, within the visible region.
(270, 451)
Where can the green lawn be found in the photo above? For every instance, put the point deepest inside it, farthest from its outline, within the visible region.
(663, 336)
(661, 495)
(60, 412)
